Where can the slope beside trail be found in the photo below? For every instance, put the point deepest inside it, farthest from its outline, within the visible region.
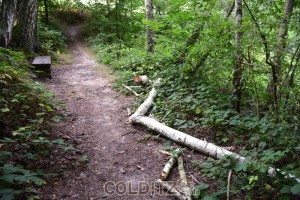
(96, 123)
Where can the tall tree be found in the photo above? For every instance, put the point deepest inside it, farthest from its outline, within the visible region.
(275, 78)
(8, 11)
(46, 11)
(238, 66)
(28, 16)
(108, 7)
(149, 31)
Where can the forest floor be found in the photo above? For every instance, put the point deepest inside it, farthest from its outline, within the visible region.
(119, 154)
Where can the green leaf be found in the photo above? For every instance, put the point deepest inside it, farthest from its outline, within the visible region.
(69, 149)
(58, 141)
(166, 148)
(5, 154)
(7, 140)
(198, 110)
(40, 114)
(4, 110)
(241, 167)
(210, 197)
(295, 189)
(285, 189)
(176, 153)
(202, 186)
(84, 158)
(56, 118)
(252, 179)
(9, 194)
(11, 178)
(234, 122)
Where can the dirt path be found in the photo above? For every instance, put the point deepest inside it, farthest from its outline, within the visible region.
(96, 123)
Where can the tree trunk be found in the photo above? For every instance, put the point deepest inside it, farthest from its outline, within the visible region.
(292, 70)
(117, 19)
(190, 42)
(275, 78)
(149, 31)
(28, 16)
(46, 12)
(8, 11)
(238, 67)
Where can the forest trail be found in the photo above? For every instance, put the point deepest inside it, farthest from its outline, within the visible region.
(96, 123)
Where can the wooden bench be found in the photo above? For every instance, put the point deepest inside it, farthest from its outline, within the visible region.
(42, 65)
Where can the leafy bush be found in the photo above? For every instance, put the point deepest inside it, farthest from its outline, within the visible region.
(248, 179)
(68, 11)
(51, 39)
(25, 110)
(21, 98)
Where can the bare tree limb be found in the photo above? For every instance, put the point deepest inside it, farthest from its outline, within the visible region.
(228, 184)
(130, 89)
(184, 182)
(168, 167)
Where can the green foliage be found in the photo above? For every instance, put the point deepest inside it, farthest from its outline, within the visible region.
(51, 39)
(68, 11)
(250, 178)
(26, 108)
(20, 97)
(110, 23)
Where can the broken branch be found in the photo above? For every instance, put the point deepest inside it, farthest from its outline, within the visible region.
(170, 164)
(130, 89)
(183, 179)
(168, 167)
(170, 189)
(228, 184)
(165, 152)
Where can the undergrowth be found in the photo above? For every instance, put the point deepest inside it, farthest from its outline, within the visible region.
(26, 109)
(52, 41)
(70, 12)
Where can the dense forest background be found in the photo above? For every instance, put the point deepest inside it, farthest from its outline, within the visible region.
(230, 72)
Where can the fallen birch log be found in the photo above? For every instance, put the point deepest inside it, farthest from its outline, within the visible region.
(184, 139)
(201, 146)
(143, 109)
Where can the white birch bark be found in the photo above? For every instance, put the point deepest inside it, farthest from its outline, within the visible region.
(149, 32)
(168, 167)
